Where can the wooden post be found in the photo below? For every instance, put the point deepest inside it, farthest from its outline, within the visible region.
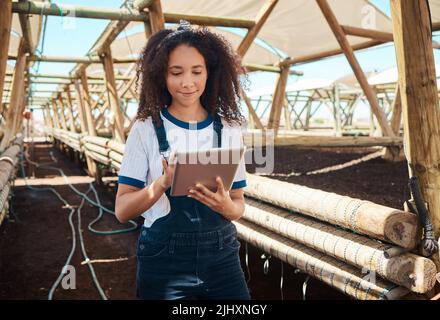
(72, 126)
(155, 14)
(113, 98)
(261, 18)
(87, 104)
(360, 76)
(55, 114)
(418, 92)
(16, 96)
(80, 106)
(5, 32)
(92, 165)
(63, 116)
(287, 123)
(277, 101)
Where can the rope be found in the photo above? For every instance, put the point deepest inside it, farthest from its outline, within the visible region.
(337, 167)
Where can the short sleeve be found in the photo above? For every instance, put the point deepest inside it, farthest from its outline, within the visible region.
(134, 166)
(240, 175)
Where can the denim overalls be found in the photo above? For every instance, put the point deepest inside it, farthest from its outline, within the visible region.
(192, 252)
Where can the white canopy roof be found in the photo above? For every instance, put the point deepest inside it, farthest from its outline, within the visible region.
(297, 27)
(16, 32)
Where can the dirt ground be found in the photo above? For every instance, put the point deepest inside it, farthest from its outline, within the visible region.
(36, 240)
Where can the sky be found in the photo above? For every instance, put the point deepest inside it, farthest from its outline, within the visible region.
(74, 37)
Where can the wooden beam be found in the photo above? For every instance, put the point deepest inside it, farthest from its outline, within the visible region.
(55, 114)
(87, 104)
(418, 91)
(17, 95)
(63, 116)
(252, 112)
(83, 60)
(357, 70)
(209, 20)
(26, 30)
(368, 33)
(157, 19)
(62, 10)
(72, 126)
(80, 106)
(5, 32)
(278, 100)
(261, 18)
(113, 98)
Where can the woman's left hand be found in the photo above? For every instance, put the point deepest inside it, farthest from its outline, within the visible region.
(219, 201)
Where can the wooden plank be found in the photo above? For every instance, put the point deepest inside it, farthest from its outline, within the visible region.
(261, 18)
(418, 91)
(5, 32)
(357, 70)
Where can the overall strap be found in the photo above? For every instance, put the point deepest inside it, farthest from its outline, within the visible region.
(164, 147)
(218, 126)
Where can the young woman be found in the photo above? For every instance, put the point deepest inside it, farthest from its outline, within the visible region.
(188, 247)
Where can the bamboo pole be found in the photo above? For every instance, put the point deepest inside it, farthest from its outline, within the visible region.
(251, 109)
(277, 101)
(113, 98)
(58, 122)
(87, 104)
(261, 18)
(365, 217)
(16, 96)
(421, 116)
(63, 116)
(5, 31)
(80, 106)
(368, 33)
(357, 70)
(335, 273)
(72, 126)
(61, 10)
(406, 269)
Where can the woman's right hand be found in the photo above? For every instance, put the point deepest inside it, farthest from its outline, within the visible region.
(168, 171)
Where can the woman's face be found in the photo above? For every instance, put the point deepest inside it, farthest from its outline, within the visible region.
(186, 75)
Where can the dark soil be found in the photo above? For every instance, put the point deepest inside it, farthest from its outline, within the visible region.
(35, 244)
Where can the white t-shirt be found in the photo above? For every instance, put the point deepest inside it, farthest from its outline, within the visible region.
(142, 162)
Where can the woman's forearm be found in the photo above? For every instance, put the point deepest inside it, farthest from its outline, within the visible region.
(132, 204)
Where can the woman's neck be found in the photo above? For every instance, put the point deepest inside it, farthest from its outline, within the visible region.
(189, 113)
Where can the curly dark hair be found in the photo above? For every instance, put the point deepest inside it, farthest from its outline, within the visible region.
(222, 91)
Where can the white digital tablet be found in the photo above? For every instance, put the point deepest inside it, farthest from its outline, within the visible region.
(203, 167)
